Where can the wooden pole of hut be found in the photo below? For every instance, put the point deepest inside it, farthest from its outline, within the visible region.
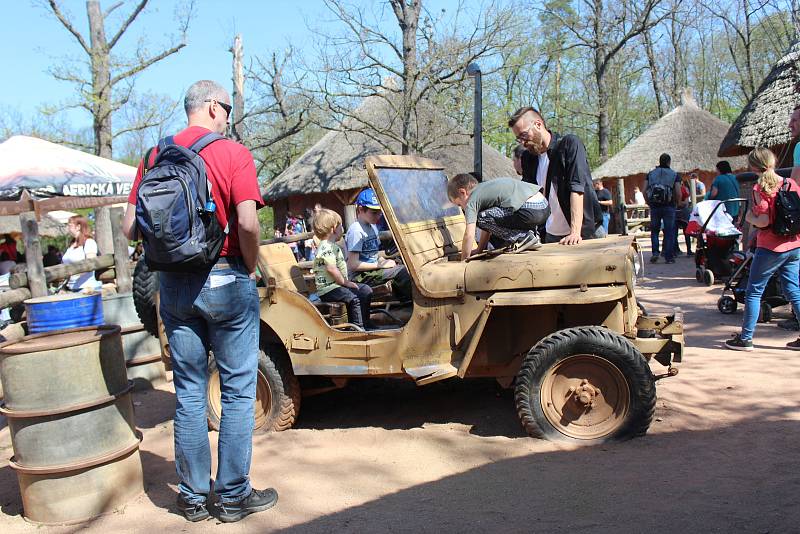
(102, 229)
(33, 254)
(121, 263)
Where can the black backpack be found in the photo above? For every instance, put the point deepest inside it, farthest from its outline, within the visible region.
(660, 188)
(787, 211)
(175, 209)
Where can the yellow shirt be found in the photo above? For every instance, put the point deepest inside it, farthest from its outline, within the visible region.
(328, 254)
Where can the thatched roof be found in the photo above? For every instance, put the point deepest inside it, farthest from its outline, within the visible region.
(764, 120)
(48, 227)
(689, 134)
(336, 162)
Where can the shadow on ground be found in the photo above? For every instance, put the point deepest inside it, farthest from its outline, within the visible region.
(400, 404)
(675, 482)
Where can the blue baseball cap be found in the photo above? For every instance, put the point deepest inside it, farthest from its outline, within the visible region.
(368, 199)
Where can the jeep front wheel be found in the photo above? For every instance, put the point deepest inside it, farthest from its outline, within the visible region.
(585, 385)
(277, 392)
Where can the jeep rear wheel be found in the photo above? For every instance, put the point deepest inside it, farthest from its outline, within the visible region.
(277, 392)
(585, 385)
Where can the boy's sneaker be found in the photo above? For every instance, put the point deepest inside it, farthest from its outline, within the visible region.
(737, 343)
(192, 512)
(794, 345)
(257, 501)
(529, 242)
(654, 258)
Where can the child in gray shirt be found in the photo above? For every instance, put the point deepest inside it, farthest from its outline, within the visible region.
(505, 207)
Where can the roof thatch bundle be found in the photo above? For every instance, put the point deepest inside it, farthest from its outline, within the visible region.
(48, 227)
(764, 120)
(336, 162)
(689, 134)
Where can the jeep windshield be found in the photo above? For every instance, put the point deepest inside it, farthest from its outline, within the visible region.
(417, 194)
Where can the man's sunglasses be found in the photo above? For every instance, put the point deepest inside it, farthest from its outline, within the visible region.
(226, 107)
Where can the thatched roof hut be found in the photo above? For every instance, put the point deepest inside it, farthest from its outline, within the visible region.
(332, 171)
(764, 120)
(48, 226)
(689, 134)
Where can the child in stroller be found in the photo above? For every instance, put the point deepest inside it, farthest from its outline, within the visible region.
(717, 237)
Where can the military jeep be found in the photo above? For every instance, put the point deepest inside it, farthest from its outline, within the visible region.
(560, 324)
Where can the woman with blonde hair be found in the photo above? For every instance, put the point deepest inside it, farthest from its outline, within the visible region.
(775, 253)
(82, 247)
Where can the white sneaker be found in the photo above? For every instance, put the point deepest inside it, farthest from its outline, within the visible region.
(529, 242)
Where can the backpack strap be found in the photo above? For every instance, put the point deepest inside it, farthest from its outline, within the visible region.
(146, 160)
(204, 141)
(162, 143)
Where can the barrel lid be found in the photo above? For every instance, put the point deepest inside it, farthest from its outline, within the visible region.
(61, 297)
(59, 339)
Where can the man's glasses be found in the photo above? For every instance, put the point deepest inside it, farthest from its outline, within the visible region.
(226, 107)
(523, 135)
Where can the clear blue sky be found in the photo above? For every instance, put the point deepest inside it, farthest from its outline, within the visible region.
(33, 40)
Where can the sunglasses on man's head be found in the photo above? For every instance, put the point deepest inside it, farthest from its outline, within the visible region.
(223, 105)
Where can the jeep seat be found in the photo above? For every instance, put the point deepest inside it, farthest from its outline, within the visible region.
(277, 261)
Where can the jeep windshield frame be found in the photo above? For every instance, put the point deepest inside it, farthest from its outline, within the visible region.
(426, 226)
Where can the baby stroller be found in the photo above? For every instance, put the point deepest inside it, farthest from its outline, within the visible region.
(737, 286)
(717, 236)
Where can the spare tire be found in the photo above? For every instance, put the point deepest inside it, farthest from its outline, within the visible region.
(145, 287)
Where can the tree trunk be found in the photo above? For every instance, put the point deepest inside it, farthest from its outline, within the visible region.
(238, 88)
(101, 81)
(408, 19)
(651, 60)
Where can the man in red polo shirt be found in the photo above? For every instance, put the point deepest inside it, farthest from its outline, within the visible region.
(215, 309)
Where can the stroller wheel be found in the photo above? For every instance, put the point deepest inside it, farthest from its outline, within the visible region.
(727, 305)
(765, 313)
(708, 278)
(698, 275)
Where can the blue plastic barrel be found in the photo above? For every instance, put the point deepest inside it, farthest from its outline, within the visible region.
(59, 312)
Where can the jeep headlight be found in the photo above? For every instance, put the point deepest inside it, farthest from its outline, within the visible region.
(638, 267)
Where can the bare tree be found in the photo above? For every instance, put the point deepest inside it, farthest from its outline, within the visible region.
(420, 68)
(112, 78)
(275, 125)
(605, 28)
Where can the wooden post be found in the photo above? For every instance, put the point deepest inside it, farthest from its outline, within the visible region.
(102, 229)
(121, 262)
(238, 87)
(33, 254)
(623, 213)
(349, 215)
(693, 191)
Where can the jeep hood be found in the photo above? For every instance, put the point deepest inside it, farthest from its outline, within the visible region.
(594, 262)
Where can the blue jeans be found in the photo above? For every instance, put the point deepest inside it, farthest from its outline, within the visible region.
(765, 264)
(218, 311)
(606, 220)
(663, 217)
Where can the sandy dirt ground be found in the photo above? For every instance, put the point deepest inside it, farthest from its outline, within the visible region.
(387, 456)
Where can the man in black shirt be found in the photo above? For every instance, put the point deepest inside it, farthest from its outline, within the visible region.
(604, 198)
(559, 165)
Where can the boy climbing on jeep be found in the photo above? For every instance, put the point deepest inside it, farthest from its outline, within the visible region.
(364, 262)
(505, 207)
(330, 271)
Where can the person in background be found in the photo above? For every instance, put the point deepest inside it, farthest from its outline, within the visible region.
(682, 218)
(606, 203)
(9, 246)
(638, 196)
(725, 186)
(82, 247)
(663, 189)
(52, 256)
(699, 186)
(774, 253)
(6, 264)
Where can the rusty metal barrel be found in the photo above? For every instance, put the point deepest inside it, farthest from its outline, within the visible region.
(69, 410)
(142, 350)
